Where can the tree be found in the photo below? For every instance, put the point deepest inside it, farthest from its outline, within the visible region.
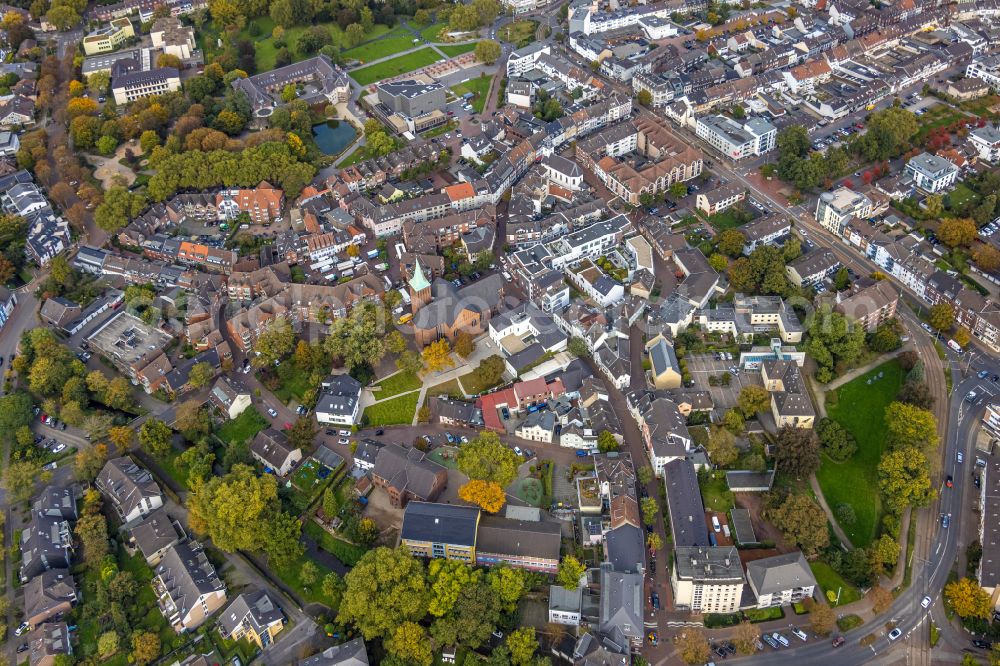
(422, 17)
(487, 51)
(230, 509)
(275, 342)
(941, 316)
(885, 550)
(570, 572)
(155, 436)
(645, 474)
(654, 541)
(19, 479)
(731, 242)
(191, 419)
(718, 262)
(521, 642)
(842, 280)
(384, 589)
(118, 208)
(693, 646)
(359, 339)
(107, 644)
(62, 17)
(354, 34)
(802, 522)
(508, 584)
(650, 509)
(644, 98)
(746, 638)
(473, 617)
(168, 60)
(606, 442)
(464, 344)
(488, 459)
(487, 495)
(90, 461)
(833, 342)
(885, 339)
(201, 374)
(968, 599)
(753, 399)
(910, 426)
(410, 644)
(821, 618)
(733, 421)
(437, 356)
(308, 573)
(836, 442)
(333, 586)
(448, 579)
(302, 433)
(149, 140)
(797, 451)
(956, 231)
(917, 394)
(722, 447)
(904, 479)
(145, 647)
(410, 361)
(577, 347)
(92, 531)
(280, 538)
(986, 257)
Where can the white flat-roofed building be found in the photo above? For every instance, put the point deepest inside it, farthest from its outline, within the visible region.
(755, 137)
(707, 579)
(986, 141)
(835, 209)
(932, 173)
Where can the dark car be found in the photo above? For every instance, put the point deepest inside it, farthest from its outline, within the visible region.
(330, 432)
(652, 566)
(948, 481)
(977, 481)
(985, 645)
(838, 641)
(23, 647)
(654, 598)
(379, 432)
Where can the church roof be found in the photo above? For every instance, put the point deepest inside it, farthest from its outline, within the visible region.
(419, 281)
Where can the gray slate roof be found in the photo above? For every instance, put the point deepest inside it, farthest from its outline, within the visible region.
(772, 575)
(440, 523)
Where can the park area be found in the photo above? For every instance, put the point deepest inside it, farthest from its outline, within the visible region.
(395, 41)
(859, 406)
(521, 33)
(479, 86)
(395, 66)
(259, 32)
(830, 581)
(400, 382)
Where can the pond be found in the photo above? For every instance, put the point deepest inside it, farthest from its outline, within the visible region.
(333, 136)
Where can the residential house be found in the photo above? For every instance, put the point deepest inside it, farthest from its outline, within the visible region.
(130, 489)
(339, 402)
(227, 399)
(621, 610)
(253, 616)
(764, 231)
(457, 413)
(272, 449)
(781, 580)
(407, 474)
(351, 653)
(537, 427)
(187, 587)
(263, 204)
(665, 371)
(812, 268)
(986, 142)
(366, 454)
(156, 534)
(790, 401)
(445, 531)
(835, 209)
(565, 606)
(49, 594)
(47, 643)
(46, 543)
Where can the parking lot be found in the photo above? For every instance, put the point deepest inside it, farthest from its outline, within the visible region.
(703, 366)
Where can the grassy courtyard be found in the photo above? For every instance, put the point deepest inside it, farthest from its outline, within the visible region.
(394, 411)
(400, 382)
(828, 579)
(715, 492)
(860, 408)
(395, 66)
(479, 86)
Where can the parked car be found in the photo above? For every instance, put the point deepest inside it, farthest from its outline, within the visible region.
(838, 641)
(895, 633)
(946, 520)
(272, 412)
(343, 441)
(948, 481)
(21, 628)
(984, 645)
(50, 466)
(518, 451)
(925, 602)
(379, 432)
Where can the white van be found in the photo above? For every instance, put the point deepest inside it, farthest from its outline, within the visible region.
(800, 634)
(715, 524)
(781, 639)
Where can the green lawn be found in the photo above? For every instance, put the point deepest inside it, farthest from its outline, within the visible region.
(456, 49)
(348, 553)
(392, 43)
(479, 86)
(473, 386)
(395, 66)
(828, 579)
(764, 614)
(529, 490)
(445, 456)
(960, 196)
(521, 33)
(936, 117)
(306, 484)
(396, 384)
(169, 465)
(452, 388)
(395, 411)
(294, 382)
(432, 33)
(243, 427)
(715, 493)
(730, 218)
(291, 576)
(860, 409)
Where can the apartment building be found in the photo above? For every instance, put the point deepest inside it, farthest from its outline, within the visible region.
(871, 306)
(986, 142)
(932, 173)
(835, 209)
(707, 579)
(187, 587)
(128, 87)
(754, 137)
(263, 203)
(108, 38)
(589, 242)
(781, 580)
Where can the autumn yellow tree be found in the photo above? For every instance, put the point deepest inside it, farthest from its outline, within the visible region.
(693, 646)
(487, 495)
(746, 637)
(880, 598)
(956, 231)
(968, 599)
(437, 356)
(962, 336)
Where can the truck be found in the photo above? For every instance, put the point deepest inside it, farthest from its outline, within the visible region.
(406, 296)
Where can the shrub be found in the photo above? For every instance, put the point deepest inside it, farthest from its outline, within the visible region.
(846, 515)
(848, 622)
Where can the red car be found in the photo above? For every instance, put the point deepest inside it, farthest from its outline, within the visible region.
(288, 426)
(948, 481)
